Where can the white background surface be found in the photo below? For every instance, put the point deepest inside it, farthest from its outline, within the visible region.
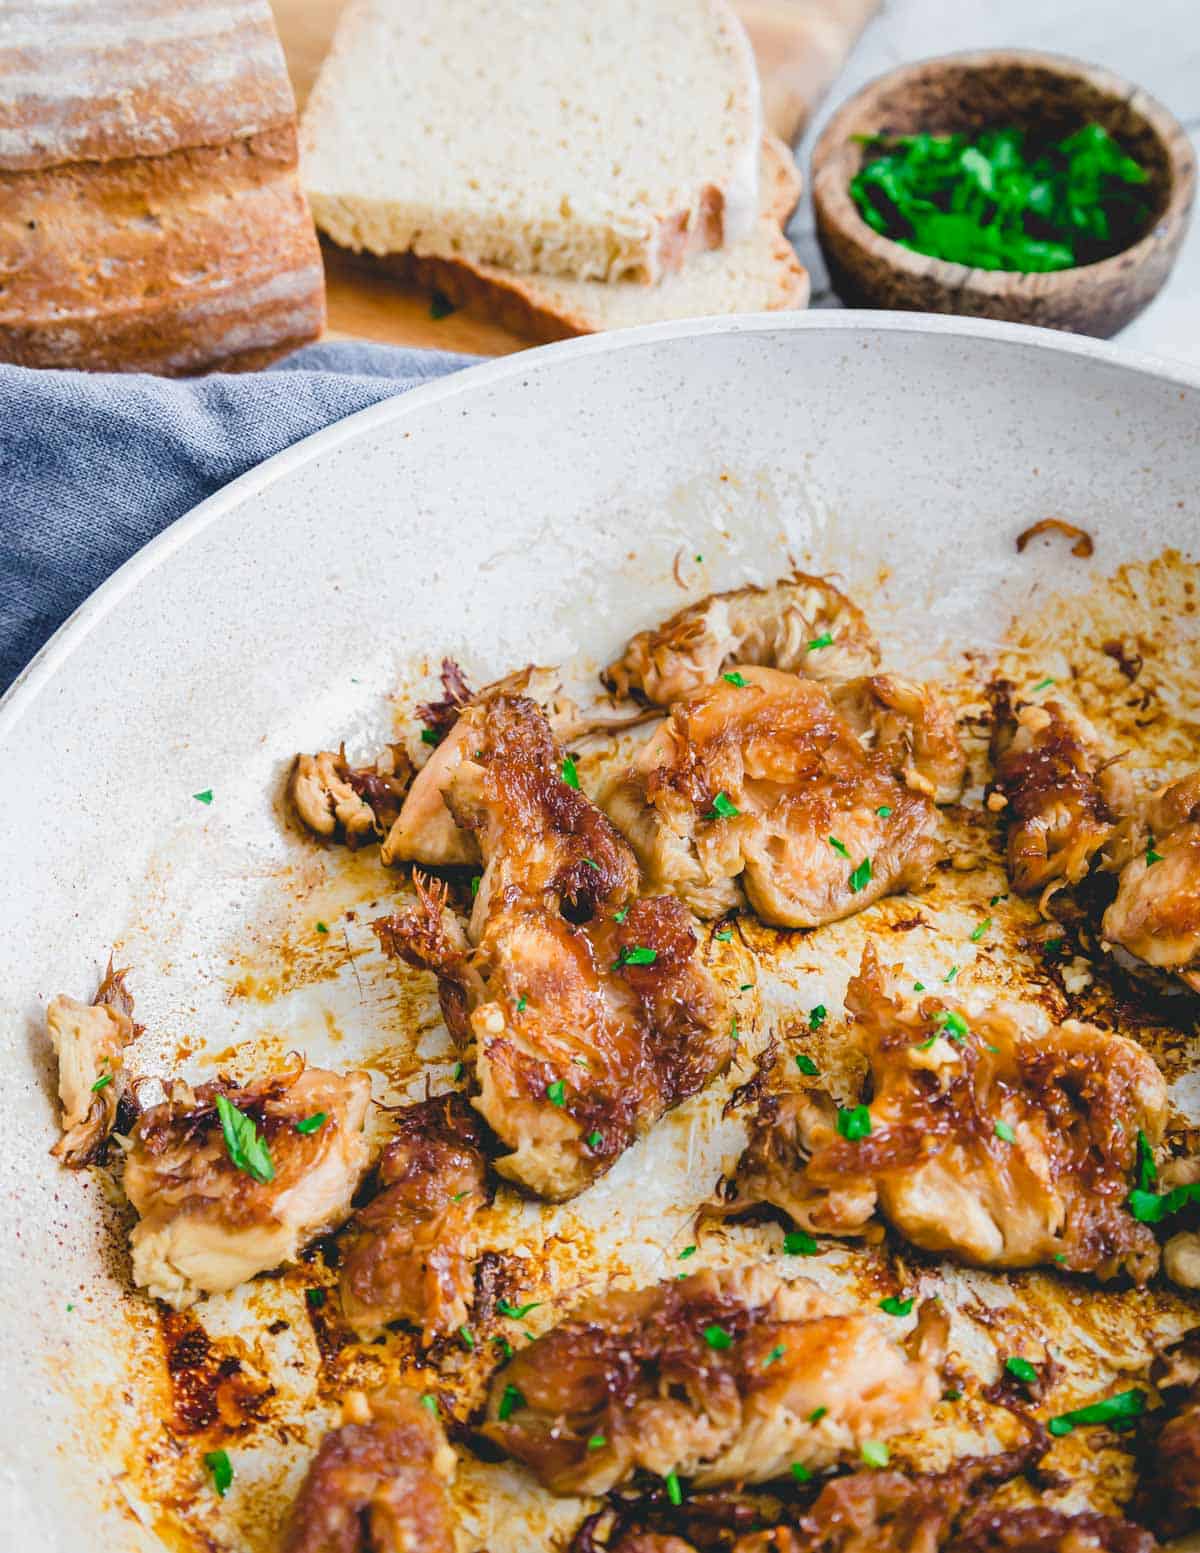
(1154, 43)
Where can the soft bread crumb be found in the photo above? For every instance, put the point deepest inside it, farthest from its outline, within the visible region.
(449, 132)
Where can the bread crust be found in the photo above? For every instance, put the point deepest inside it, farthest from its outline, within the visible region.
(172, 241)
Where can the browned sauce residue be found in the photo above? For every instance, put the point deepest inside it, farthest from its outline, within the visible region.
(212, 1384)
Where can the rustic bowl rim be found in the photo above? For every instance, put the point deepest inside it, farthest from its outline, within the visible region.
(833, 202)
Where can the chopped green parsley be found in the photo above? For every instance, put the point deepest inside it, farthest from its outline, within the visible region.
(806, 1065)
(860, 877)
(637, 955)
(205, 797)
(798, 1242)
(509, 1402)
(1113, 1410)
(220, 1469)
(312, 1123)
(854, 1122)
(734, 678)
(723, 808)
(817, 1016)
(556, 1093)
(824, 640)
(1021, 1369)
(717, 1337)
(516, 1312)
(893, 1306)
(570, 772)
(686, 1252)
(245, 1145)
(1152, 1207)
(839, 847)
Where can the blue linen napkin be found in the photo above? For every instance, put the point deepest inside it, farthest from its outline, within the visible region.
(93, 465)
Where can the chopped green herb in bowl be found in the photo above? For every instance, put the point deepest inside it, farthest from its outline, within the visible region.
(1006, 184)
(1001, 201)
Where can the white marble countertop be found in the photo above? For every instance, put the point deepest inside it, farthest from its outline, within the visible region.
(1155, 43)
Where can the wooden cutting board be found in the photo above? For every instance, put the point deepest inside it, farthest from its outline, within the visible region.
(800, 46)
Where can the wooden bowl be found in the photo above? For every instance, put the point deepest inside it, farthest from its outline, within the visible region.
(971, 92)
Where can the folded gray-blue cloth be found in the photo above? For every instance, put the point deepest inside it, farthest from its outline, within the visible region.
(92, 465)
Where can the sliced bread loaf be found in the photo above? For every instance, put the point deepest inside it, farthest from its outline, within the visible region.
(151, 219)
(604, 142)
(760, 273)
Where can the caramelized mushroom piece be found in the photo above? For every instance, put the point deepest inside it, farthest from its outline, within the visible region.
(891, 1512)
(759, 780)
(1156, 914)
(223, 1195)
(377, 1483)
(983, 1139)
(354, 804)
(1062, 792)
(89, 1040)
(426, 831)
(584, 1011)
(1168, 1494)
(408, 1252)
(801, 624)
(721, 1377)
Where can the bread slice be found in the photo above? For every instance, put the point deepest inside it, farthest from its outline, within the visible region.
(151, 218)
(758, 274)
(562, 137)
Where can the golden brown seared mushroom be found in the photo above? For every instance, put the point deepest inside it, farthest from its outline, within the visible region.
(723, 1377)
(89, 1040)
(407, 1256)
(378, 1483)
(801, 624)
(354, 804)
(912, 725)
(1156, 852)
(425, 831)
(990, 1142)
(892, 1512)
(1062, 792)
(1168, 1493)
(758, 781)
(584, 1012)
(230, 1182)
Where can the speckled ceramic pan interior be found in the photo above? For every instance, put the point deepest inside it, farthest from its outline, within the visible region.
(537, 508)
